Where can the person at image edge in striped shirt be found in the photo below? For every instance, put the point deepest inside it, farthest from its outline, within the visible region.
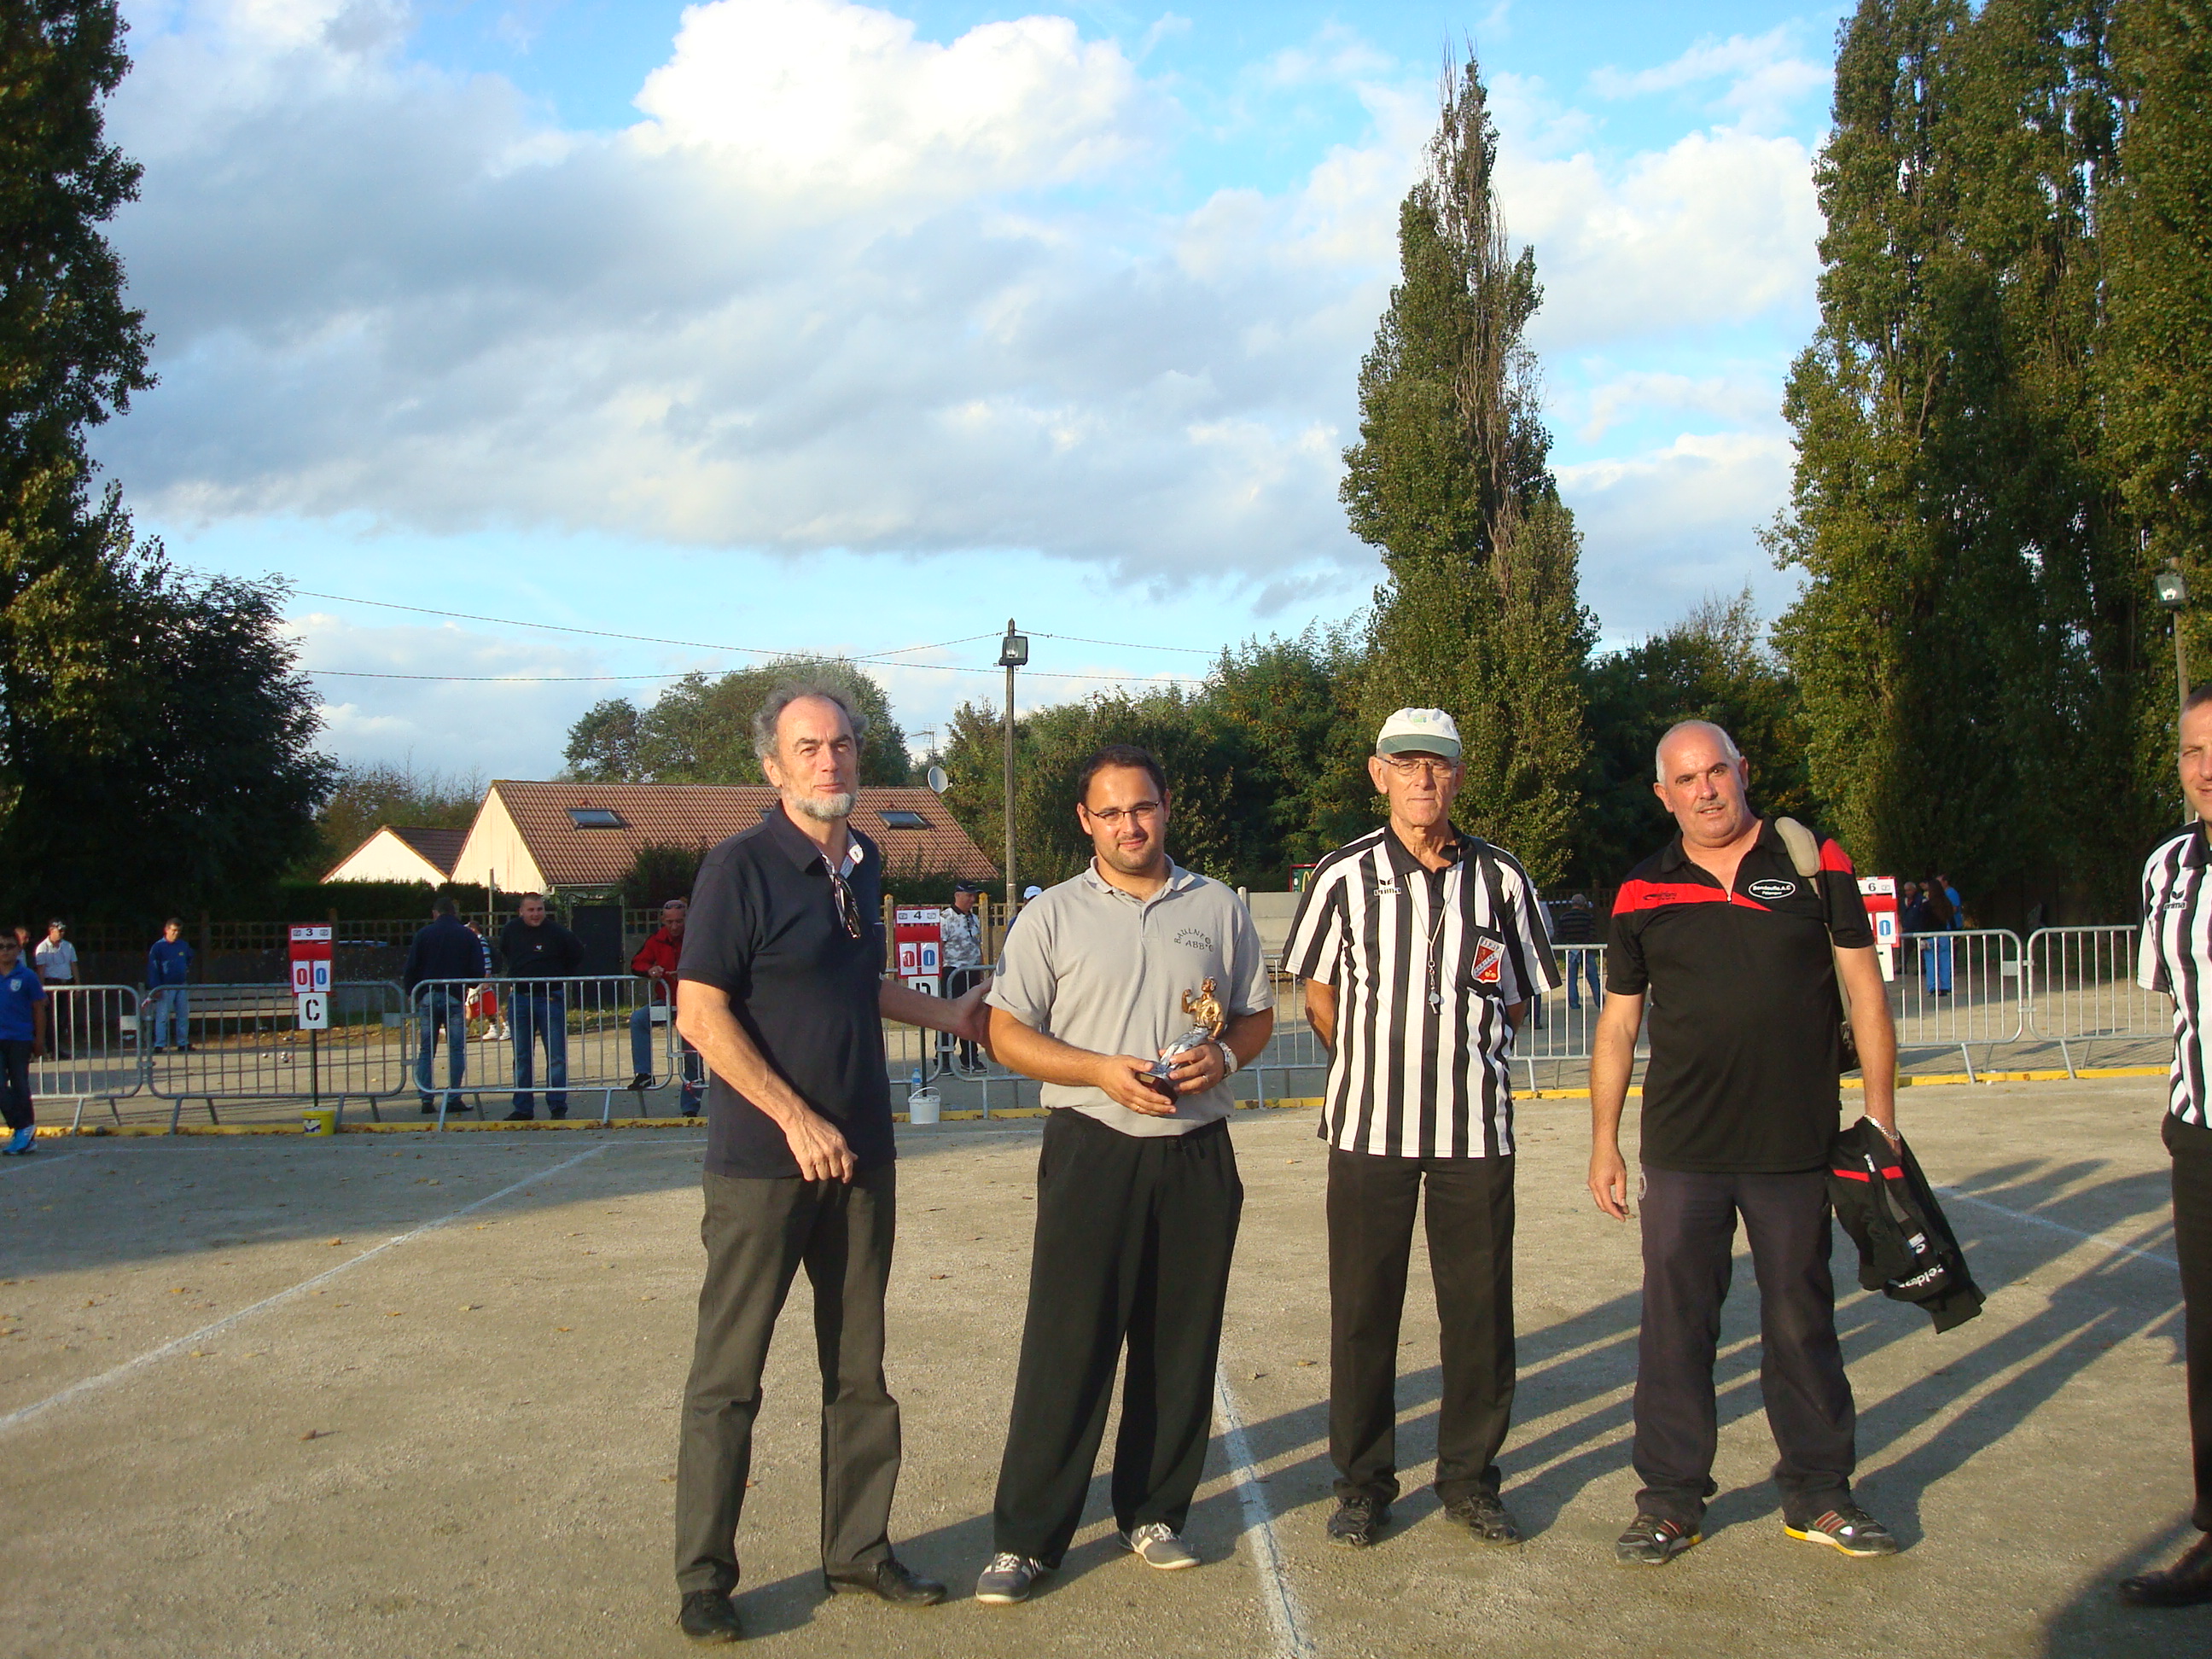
(1420, 946)
(2175, 958)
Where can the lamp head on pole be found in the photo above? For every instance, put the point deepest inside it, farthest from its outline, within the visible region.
(1014, 649)
(2172, 587)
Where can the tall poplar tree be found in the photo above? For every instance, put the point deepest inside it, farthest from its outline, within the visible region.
(1962, 640)
(2158, 383)
(1480, 614)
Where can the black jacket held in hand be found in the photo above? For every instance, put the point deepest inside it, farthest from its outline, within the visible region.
(1907, 1249)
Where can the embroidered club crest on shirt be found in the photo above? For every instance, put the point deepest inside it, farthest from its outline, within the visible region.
(1489, 954)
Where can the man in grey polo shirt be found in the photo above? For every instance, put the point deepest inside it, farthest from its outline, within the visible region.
(1137, 1191)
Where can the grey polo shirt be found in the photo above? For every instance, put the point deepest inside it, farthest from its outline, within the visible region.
(1102, 969)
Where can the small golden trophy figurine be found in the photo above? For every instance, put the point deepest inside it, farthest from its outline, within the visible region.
(1203, 1007)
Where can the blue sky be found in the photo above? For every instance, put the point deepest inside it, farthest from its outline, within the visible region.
(803, 325)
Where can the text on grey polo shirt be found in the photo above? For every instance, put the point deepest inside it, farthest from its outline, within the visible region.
(1100, 970)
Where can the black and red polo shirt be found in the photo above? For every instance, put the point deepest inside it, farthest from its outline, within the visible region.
(1742, 1005)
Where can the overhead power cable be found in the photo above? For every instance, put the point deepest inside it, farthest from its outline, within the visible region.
(887, 658)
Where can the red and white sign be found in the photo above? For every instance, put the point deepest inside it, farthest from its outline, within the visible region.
(1880, 893)
(918, 937)
(311, 959)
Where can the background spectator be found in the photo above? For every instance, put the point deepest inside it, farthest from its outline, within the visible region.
(444, 958)
(539, 953)
(657, 959)
(22, 1021)
(55, 961)
(1575, 922)
(960, 928)
(168, 971)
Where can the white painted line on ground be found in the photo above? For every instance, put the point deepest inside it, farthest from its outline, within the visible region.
(38, 1161)
(1275, 1594)
(24, 1413)
(2061, 1227)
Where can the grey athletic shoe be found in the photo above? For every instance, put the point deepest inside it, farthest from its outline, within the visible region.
(1356, 1521)
(1009, 1578)
(1652, 1541)
(1155, 1544)
(1487, 1519)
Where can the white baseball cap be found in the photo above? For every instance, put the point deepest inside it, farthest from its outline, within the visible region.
(1419, 730)
(1032, 892)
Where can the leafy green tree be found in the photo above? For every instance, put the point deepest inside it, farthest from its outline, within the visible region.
(1297, 704)
(1714, 664)
(700, 729)
(603, 744)
(2157, 240)
(1480, 614)
(71, 353)
(1965, 641)
(217, 795)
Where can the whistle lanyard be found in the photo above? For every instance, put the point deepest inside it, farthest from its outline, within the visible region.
(1437, 891)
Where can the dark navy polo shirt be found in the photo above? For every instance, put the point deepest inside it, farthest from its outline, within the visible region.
(1741, 1004)
(763, 927)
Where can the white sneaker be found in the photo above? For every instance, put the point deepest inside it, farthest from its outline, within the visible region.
(1155, 1544)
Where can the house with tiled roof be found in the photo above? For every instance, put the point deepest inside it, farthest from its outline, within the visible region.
(394, 854)
(581, 838)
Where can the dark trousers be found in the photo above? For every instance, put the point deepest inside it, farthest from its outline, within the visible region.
(535, 1018)
(1370, 1236)
(2192, 1246)
(759, 1233)
(1133, 1241)
(15, 1083)
(1689, 1237)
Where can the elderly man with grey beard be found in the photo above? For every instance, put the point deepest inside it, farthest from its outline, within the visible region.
(782, 992)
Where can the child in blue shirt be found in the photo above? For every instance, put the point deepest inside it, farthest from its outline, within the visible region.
(22, 1028)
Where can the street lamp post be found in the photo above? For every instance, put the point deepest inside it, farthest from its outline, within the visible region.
(1013, 652)
(2173, 594)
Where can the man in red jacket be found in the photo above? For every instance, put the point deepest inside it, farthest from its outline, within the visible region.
(657, 959)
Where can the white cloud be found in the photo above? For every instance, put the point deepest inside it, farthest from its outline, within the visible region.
(833, 290)
(836, 104)
(1764, 79)
(1745, 398)
(1664, 528)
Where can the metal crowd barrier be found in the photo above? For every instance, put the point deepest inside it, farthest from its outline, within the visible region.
(506, 1026)
(1954, 989)
(1562, 1025)
(92, 1048)
(2081, 988)
(242, 1043)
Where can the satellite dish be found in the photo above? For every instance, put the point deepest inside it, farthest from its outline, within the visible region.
(938, 780)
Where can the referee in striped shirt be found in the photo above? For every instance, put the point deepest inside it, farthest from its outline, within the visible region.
(1420, 946)
(2175, 958)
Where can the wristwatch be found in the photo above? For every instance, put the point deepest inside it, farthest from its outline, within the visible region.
(1228, 1057)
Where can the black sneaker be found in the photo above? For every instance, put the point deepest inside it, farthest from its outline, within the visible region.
(524, 1114)
(1847, 1528)
(1653, 1541)
(708, 1616)
(640, 1083)
(1356, 1521)
(1485, 1518)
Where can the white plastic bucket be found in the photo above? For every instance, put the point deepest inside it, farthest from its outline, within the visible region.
(923, 1106)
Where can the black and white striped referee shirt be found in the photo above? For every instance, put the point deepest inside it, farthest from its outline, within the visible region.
(2175, 958)
(1425, 964)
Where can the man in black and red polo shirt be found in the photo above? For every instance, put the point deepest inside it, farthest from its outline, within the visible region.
(1740, 1102)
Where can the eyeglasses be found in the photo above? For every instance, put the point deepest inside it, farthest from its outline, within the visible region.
(1407, 766)
(849, 908)
(1143, 812)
